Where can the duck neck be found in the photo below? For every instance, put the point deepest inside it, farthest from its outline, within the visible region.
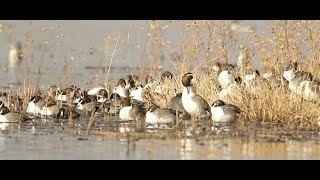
(189, 90)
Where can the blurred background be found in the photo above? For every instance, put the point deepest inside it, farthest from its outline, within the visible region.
(79, 52)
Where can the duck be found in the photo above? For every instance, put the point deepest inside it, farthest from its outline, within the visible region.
(166, 74)
(157, 115)
(53, 91)
(225, 77)
(95, 90)
(50, 107)
(113, 105)
(219, 67)
(102, 96)
(224, 113)
(88, 106)
(273, 79)
(137, 93)
(193, 103)
(254, 82)
(124, 113)
(302, 83)
(34, 105)
(6, 116)
(66, 95)
(4, 98)
(161, 87)
(66, 112)
(176, 104)
(232, 90)
(121, 89)
(132, 112)
(131, 77)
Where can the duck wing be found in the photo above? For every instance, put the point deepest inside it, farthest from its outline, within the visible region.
(231, 107)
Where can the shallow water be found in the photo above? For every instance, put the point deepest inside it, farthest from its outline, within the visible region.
(49, 140)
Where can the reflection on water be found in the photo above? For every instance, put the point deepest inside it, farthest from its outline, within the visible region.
(4, 126)
(186, 148)
(49, 141)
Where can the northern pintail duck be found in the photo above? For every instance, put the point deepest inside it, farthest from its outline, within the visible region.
(4, 98)
(131, 77)
(88, 105)
(157, 115)
(193, 103)
(225, 77)
(132, 111)
(50, 107)
(53, 90)
(302, 83)
(253, 81)
(113, 105)
(224, 113)
(157, 85)
(166, 74)
(122, 89)
(124, 113)
(102, 95)
(232, 91)
(273, 79)
(34, 106)
(161, 87)
(218, 67)
(8, 117)
(94, 91)
(67, 112)
(176, 103)
(137, 93)
(66, 95)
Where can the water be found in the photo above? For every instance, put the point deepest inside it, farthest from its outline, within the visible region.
(47, 140)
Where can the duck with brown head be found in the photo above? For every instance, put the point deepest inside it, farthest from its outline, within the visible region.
(102, 95)
(8, 117)
(122, 88)
(219, 67)
(50, 108)
(166, 74)
(67, 94)
(34, 105)
(224, 113)
(193, 103)
(131, 111)
(93, 91)
(157, 115)
(87, 106)
(302, 83)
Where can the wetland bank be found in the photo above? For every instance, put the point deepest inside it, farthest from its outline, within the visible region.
(274, 123)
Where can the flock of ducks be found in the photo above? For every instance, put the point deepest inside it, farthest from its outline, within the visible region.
(127, 98)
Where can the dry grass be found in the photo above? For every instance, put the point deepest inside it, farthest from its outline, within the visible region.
(204, 42)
